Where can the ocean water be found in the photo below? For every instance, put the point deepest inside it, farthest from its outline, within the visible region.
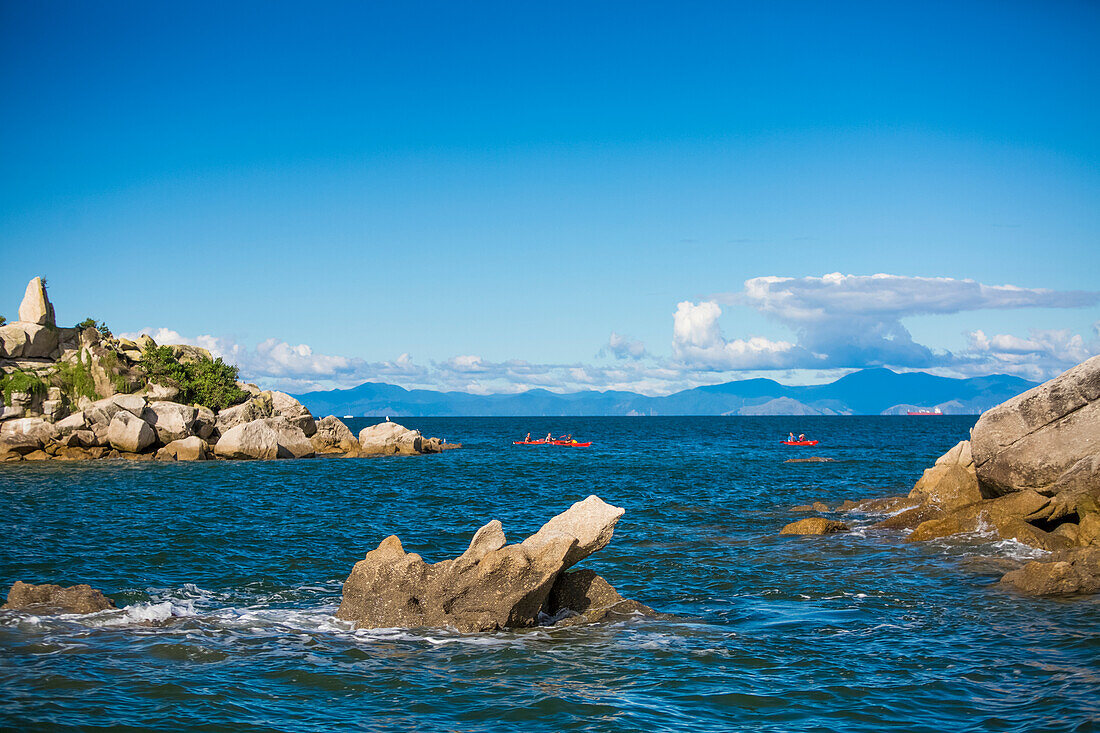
(228, 574)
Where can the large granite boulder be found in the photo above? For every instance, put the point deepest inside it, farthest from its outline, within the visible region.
(283, 405)
(36, 307)
(389, 438)
(490, 586)
(192, 448)
(255, 439)
(256, 408)
(952, 482)
(1046, 440)
(41, 341)
(48, 598)
(171, 420)
(130, 434)
(293, 442)
(333, 436)
(25, 435)
(13, 339)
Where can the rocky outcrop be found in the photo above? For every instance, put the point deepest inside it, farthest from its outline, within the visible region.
(490, 586)
(814, 525)
(36, 307)
(333, 436)
(1045, 440)
(43, 599)
(1064, 573)
(293, 442)
(283, 405)
(389, 439)
(255, 408)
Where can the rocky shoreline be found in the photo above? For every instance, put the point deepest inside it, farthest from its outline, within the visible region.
(1030, 473)
(80, 393)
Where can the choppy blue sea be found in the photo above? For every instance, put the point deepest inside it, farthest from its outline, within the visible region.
(229, 574)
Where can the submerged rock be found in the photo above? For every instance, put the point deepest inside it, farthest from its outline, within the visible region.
(1067, 572)
(49, 598)
(490, 586)
(814, 525)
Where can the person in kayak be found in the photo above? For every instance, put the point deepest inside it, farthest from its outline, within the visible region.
(801, 437)
(527, 438)
(549, 437)
(790, 437)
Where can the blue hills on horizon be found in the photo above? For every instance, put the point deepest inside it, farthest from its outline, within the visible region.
(876, 391)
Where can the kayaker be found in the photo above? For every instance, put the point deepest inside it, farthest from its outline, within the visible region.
(801, 437)
(527, 438)
(549, 437)
(790, 437)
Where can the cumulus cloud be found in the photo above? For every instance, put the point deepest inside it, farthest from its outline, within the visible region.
(623, 347)
(1039, 356)
(697, 341)
(852, 321)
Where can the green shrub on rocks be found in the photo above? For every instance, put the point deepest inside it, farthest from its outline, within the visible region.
(76, 380)
(3, 320)
(87, 323)
(209, 383)
(20, 381)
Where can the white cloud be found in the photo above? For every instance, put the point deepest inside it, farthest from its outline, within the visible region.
(697, 342)
(623, 347)
(853, 321)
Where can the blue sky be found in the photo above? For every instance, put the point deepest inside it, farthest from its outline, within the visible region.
(491, 197)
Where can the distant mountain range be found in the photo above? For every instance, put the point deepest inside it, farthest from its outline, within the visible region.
(866, 392)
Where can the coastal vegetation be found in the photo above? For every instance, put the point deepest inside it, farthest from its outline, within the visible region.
(209, 382)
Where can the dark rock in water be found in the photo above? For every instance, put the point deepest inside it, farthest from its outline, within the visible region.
(490, 586)
(55, 599)
(1067, 572)
(814, 525)
(1046, 440)
(811, 459)
(590, 597)
(817, 506)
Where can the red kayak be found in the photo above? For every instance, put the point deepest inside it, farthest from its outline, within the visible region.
(799, 442)
(572, 443)
(531, 442)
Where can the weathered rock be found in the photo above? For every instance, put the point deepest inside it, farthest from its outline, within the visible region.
(192, 448)
(880, 505)
(1065, 573)
(205, 421)
(283, 405)
(13, 339)
(256, 408)
(47, 598)
(26, 435)
(41, 340)
(948, 485)
(171, 420)
(255, 439)
(490, 586)
(293, 443)
(1008, 516)
(333, 436)
(1046, 439)
(79, 439)
(811, 459)
(130, 434)
(132, 403)
(36, 307)
(75, 421)
(37, 455)
(590, 523)
(249, 389)
(814, 525)
(101, 411)
(1088, 531)
(387, 438)
(591, 598)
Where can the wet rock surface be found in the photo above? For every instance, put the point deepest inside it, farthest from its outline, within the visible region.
(48, 598)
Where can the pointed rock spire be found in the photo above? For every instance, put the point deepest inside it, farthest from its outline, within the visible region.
(36, 306)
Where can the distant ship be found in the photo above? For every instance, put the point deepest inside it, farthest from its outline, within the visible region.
(937, 411)
(347, 416)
